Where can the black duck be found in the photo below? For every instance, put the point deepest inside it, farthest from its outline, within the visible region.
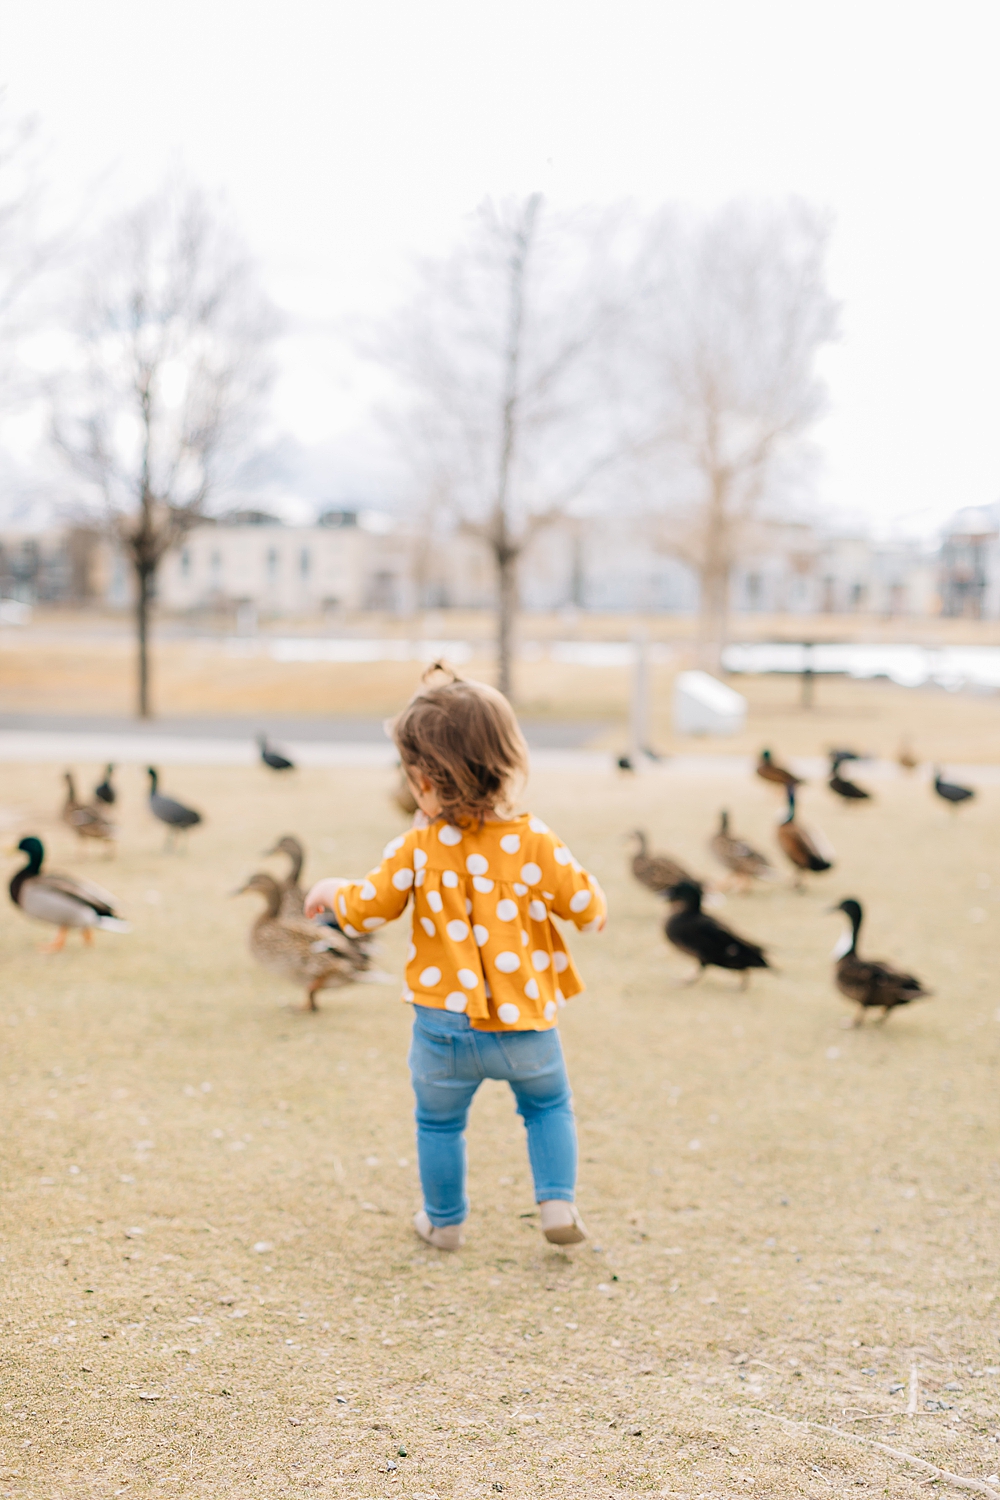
(707, 940)
(870, 983)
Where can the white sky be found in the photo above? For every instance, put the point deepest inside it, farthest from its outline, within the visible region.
(347, 135)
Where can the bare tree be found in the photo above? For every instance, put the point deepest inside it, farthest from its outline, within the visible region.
(173, 335)
(500, 356)
(734, 313)
(25, 249)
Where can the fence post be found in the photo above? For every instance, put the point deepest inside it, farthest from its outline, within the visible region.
(639, 707)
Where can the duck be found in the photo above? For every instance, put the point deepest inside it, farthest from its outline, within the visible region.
(807, 850)
(271, 757)
(740, 858)
(768, 769)
(319, 958)
(86, 822)
(705, 938)
(658, 872)
(104, 790)
(293, 896)
(175, 815)
(64, 901)
(839, 784)
(950, 791)
(905, 756)
(870, 983)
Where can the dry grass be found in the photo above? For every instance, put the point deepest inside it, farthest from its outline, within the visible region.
(74, 672)
(207, 1195)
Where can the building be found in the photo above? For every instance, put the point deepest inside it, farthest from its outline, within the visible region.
(970, 564)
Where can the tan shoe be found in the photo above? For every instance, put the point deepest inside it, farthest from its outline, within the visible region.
(449, 1237)
(561, 1223)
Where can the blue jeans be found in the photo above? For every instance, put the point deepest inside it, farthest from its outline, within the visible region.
(448, 1062)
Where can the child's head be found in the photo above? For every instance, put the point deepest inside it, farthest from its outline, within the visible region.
(463, 737)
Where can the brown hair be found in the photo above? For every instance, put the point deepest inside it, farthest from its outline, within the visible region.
(464, 738)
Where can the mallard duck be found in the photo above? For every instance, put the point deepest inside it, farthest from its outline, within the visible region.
(950, 791)
(175, 815)
(743, 861)
(769, 770)
(320, 958)
(705, 938)
(844, 788)
(658, 872)
(104, 791)
(271, 757)
(64, 901)
(292, 895)
(807, 850)
(870, 983)
(86, 822)
(905, 756)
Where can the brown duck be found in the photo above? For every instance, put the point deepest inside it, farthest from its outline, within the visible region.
(86, 821)
(740, 858)
(768, 769)
(318, 958)
(657, 872)
(805, 849)
(870, 983)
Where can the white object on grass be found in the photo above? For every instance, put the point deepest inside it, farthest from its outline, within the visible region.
(703, 705)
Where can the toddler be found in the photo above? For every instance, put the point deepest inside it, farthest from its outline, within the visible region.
(487, 969)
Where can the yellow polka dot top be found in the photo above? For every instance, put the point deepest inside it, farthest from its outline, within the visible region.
(484, 943)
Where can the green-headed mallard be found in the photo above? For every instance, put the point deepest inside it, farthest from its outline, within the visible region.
(64, 901)
(319, 958)
(104, 791)
(871, 983)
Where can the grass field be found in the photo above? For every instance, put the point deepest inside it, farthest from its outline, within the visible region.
(211, 1284)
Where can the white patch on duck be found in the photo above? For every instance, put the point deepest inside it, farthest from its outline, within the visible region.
(843, 944)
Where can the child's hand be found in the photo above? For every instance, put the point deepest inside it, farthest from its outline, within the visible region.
(322, 895)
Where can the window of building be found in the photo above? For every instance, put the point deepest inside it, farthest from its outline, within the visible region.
(272, 563)
(305, 562)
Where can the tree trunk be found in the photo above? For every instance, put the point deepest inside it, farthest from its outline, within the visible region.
(143, 598)
(713, 615)
(506, 612)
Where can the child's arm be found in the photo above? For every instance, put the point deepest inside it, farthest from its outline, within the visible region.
(576, 895)
(362, 905)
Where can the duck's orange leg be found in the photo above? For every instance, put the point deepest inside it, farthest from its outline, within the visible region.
(87, 934)
(58, 942)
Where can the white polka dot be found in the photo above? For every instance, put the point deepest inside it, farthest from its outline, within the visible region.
(562, 855)
(367, 891)
(482, 884)
(456, 1001)
(449, 835)
(540, 960)
(407, 993)
(524, 938)
(577, 866)
(507, 910)
(531, 989)
(531, 873)
(519, 889)
(481, 934)
(351, 931)
(507, 962)
(468, 979)
(411, 953)
(468, 905)
(343, 906)
(549, 895)
(477, 864)
(580, 901)
(428, 926)
(419, 858)
(450, 879)
(508, 1013)
(430, 977)
(594, 926)
(434, 901)
(550, 1010)
(393, 847)
(510, 843)
(420, 877)
(537, 826)
(457, 931)
(536, 911)
(560, 962)
(371, 922)
(403, 879)
(560, 998)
